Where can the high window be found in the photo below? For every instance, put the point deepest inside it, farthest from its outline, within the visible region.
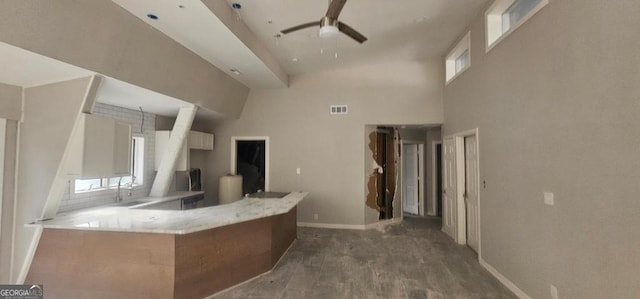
(505, 16)
(459, 59)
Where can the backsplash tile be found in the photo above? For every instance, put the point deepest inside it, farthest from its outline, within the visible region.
(72, 201)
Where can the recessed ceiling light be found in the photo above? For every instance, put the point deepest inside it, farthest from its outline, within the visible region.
(152, 16)
(181, 6)
(235, 72)
(270, 21)
(236, 5)
(294, 59)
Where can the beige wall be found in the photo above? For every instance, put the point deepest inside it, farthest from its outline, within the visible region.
(10, 101)
(433, 134)
(330, 149)
(8, 198)
(41, 149)
(557, 106)
(103, 37)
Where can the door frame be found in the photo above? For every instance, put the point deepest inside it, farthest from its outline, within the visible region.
(421, 210)
(434, 177)
(461, 229)
(233, 169)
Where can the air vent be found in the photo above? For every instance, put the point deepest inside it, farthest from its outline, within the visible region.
(338, 109)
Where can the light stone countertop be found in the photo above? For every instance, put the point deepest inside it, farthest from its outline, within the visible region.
(126, 219)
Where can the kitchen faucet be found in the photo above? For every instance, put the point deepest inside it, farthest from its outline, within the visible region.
(118, 195)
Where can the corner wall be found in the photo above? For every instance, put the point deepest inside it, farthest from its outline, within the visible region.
(330, 150)
(557, 105)
(103, 37)
(50, 114)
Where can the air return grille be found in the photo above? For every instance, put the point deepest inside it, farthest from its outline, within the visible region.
(338, 109)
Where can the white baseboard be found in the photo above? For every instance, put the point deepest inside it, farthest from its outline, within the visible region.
(383, 223)
(351, 226)
(505, 281)
(332, 226)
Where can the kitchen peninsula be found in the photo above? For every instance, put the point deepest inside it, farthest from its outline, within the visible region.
(128, 252)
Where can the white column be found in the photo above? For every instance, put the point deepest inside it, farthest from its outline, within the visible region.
(179, 134)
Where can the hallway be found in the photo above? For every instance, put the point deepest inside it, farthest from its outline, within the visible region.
(410, 260)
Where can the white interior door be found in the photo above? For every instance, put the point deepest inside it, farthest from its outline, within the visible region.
(471, 191)
(449, 207)
(410, 178)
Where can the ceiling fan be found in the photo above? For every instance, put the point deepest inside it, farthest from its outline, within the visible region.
(329, 24)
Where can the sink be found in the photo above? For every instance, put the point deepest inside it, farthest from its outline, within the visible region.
(130, 203)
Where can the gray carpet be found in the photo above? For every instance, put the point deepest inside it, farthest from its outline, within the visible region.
(413, 259)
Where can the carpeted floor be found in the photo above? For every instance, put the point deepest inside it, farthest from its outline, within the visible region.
(413, 259)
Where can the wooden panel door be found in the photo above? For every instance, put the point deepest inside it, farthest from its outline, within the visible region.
(449, 188)
(471, 191)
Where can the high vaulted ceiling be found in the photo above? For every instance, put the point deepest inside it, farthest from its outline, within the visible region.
(245, 39)
(397, 30)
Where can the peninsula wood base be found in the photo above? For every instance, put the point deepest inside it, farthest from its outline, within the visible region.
(102, 264)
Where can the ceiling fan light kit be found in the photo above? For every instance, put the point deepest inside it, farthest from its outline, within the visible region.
(329, 24)
(329, 31)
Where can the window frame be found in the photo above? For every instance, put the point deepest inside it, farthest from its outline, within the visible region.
(493, 18)
(463, 45)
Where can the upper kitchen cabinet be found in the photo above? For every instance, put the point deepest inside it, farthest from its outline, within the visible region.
(200, 140)
(196, 141)
(100, 148)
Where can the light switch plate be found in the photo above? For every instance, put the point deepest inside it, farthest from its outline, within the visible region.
(548, 198)
(298, 171)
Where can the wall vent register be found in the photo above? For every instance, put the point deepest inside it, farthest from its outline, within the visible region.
(338, 109)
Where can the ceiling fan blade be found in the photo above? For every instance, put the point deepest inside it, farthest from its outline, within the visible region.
(352, 33)
(301, 26)
(335, 7)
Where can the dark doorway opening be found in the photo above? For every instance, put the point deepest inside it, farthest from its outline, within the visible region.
(439, 178)
(250, 164)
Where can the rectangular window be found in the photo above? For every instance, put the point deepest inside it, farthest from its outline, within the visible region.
(137, 171)
(505, 16)
(459, 59)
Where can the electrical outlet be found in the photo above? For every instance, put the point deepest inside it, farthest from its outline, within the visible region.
(548, 198)
(298, 171)
(315, 216)
(553, 291)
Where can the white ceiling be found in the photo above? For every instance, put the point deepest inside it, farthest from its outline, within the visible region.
(397, 30)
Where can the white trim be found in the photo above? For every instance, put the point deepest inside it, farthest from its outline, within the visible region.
(504, 280)
(461, 237)
(375, 225)
(3, 130)
(464, 44)
(421, 176)
(434, 177)
(493, 18)
(233, 169)
(332, 226)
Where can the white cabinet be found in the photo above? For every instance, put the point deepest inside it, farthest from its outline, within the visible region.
(200, 140)
(100, 148)
(196, 140)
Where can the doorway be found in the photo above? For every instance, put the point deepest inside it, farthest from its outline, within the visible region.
(250, 159)
(412, 177)
(436, 161)
(461, 196)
